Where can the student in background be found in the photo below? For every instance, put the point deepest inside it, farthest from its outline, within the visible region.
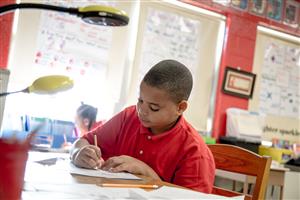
(85, 119)
(153, 138)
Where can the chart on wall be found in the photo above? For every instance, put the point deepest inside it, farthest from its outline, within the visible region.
(169, 36)
(66, 43)
(280, 80)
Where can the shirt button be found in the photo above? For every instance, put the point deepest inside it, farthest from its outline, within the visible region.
(149, 137)
(141, 152)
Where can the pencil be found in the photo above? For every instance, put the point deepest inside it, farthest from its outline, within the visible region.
(95, 143)
(129, 185)
(95, 140)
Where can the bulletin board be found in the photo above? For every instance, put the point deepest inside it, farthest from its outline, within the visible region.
(169, 31)
(277, 92)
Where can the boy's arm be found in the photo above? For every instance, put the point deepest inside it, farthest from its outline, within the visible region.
(131, 165)
(85, 155)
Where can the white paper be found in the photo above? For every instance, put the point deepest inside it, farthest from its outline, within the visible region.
(167, 192)
(102, 173)
(79, 191)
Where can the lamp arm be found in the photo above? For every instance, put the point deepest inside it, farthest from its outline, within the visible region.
(11, 7)
(26, 90)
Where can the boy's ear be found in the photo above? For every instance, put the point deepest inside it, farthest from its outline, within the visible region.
(182, 106)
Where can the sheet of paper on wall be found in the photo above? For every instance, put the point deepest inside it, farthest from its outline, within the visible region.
(102, 173)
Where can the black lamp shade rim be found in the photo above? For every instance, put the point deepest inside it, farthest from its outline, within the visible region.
(104, 18)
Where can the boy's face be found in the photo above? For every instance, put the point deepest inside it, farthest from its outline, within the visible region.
(156, 110)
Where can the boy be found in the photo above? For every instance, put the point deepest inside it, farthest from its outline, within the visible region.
(153, 138)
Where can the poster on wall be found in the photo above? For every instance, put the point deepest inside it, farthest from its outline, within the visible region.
(258, 7)
(279, 92)
(274, 9)
(169, 36)
(66, 44)
(291, 13)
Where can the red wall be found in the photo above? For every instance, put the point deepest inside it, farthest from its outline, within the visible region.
(238, 51)
(5, 34)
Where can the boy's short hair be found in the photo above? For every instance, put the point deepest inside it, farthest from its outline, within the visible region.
(171, 76)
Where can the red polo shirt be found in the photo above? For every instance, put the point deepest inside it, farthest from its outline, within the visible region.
(178, 156)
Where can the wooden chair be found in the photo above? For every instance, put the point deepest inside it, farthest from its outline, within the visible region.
(239, 160)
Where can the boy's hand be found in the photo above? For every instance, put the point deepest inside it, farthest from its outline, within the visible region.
(88, 157)
(129, 164)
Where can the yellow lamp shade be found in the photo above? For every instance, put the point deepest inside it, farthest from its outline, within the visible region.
(50, 84)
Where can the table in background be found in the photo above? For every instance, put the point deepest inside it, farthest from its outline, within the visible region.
(276, 178)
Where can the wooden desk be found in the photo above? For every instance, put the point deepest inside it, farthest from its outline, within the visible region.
(56, 182)
(54, 173)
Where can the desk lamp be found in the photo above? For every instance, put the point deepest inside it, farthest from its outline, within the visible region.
(96, 14)
(46, 85)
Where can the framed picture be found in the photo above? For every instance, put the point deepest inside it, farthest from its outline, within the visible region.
(275, 9)
(258, 7)
(240, 4)
(291, 13)
(238, 83)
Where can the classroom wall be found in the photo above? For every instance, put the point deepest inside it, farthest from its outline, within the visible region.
(238, 51)
(26, 40)
(6, 28)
